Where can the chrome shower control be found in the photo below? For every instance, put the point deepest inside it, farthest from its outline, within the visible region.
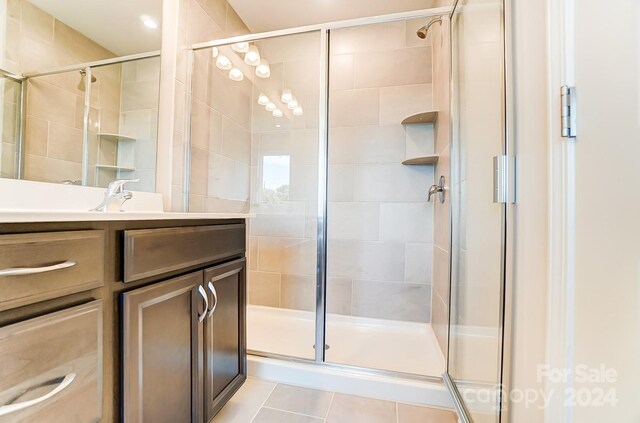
(439, 189)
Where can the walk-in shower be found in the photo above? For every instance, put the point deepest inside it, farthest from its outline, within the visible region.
(331, 135)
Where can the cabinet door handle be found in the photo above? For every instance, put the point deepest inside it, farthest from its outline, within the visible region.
(62, 384)
(203, 294)
(215, 298)
(19, 271)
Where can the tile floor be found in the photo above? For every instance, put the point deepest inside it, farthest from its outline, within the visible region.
(260, 401)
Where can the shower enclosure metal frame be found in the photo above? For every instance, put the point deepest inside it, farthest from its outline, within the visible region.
(82, 67)
(321, 253)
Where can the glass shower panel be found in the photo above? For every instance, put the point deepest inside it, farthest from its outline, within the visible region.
(380, 225)
(254, 148)
(477, 222)
(10, 90)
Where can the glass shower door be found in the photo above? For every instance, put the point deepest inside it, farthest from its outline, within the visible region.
(478, 224)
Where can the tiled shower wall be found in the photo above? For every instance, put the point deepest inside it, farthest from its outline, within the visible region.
(225, 189)
(38, 41)
(380, 226)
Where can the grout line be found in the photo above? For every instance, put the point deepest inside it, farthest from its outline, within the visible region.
(292, 412)
(264, 402)
(333, 395)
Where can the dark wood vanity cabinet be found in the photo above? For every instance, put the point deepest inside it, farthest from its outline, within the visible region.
(124, 321)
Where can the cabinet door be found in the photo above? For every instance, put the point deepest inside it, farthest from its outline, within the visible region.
(224, 335)
(160, 351)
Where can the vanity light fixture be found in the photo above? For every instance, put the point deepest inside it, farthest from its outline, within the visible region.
(277, 113)
(149, 22)
(241, 47)
(292, 104)
(286, 96)
(263, 70)
(263, 100)
(223, 62)
(252, 57)
(298, 111)
(236, 74)
(214, 52)
(271, 106)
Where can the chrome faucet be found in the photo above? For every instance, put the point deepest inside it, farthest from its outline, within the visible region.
(437, 189)
(115, 196)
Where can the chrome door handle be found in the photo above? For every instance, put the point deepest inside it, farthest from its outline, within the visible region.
(20, 271)
(215, 297)
(203, 294)
(437, 189)
(63, 383)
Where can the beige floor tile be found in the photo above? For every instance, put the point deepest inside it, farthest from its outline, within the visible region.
(244, 405)
(416, 414)
(351, 409)
(269, 415)
(310, 402)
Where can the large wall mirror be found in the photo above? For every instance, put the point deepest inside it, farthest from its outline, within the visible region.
(79, 81)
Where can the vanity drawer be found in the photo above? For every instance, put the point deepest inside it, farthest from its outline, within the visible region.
(51, 367)
(152, 252)
(40, 266)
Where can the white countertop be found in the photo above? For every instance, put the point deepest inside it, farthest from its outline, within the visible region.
(26, 216)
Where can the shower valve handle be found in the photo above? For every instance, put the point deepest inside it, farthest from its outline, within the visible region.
(437, 189)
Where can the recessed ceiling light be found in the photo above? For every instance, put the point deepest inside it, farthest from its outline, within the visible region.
(149, 22)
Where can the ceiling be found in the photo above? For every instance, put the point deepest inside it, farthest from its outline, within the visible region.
(114, 24)
(261, 16)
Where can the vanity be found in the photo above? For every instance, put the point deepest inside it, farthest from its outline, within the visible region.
(121, 316)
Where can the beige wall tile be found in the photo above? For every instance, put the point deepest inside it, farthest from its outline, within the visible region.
(409, 66)
(387, 182)
(291, 226)
(341, 182)
(51, 103)
(339, 296)
(236, 141)
(418, 259)
(217, 10)
(71, 47)
(397, 103)
(206, 127)
(37, 136)
(441, 273)
(354, 107)
(264, 289)
(391, 300)
(406, 222)
(298, 292)
(419, 140)
(366, 260)
(287, 255)
(199, 171)
(35, 23)
(341, 72)
(440, 321)
(65, 143)
(304, 182)
(235, 25)
(200, 26)
(378, 37)
(367, 144)
(43, 169)
(358, 221)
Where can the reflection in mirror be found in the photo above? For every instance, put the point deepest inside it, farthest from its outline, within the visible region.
(84, 121)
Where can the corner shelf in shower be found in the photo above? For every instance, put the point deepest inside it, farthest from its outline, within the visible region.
(114, 137)
(423, 118)
(112, 167)
(425, 160)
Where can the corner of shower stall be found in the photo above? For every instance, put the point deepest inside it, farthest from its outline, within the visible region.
(322, 152)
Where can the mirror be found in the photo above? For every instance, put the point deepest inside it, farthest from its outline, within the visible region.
(80, 86)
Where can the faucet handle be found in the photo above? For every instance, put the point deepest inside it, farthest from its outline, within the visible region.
(117, 186)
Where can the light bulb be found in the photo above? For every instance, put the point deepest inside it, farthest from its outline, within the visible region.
(241, 47)
(271, 106)
(214, 52)
(286, 96)
(252, 57)
(236, 74)
(223, 62)
(263, 100)
(277, 113)
(298, 111)
(263, 70)
(292, 104)
(149, 22)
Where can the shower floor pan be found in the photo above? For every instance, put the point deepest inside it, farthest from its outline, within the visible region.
(395, 346)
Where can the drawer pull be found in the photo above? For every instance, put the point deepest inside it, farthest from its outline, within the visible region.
(62, 384)
(215, 298)
(19, 271)
(203, 293)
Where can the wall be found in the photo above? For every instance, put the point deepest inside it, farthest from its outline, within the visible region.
(55, 104)
(139, 119)
(380, 226)
(10, 92)
(200, 21)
